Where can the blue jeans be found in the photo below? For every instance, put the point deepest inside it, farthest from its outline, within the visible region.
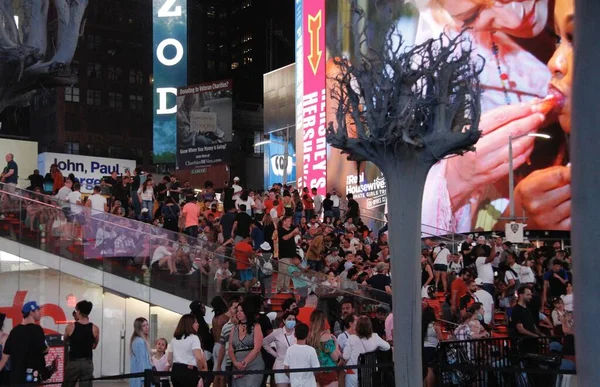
(148, 204)
(327, 214)
(136, 203)
(297, 217)
(336, 213)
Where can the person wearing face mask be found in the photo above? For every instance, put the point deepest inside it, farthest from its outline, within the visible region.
(277, 344)
(470, 327)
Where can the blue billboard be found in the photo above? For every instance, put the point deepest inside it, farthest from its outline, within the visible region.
(169, 18)
(275, 157)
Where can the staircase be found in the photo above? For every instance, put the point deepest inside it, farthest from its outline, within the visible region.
(118, 248)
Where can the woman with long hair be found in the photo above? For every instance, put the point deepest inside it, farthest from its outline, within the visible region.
(146, 196)
(140, 350)
(283, 338)
(363, 341)
(245, 342)
(268, 228)
(185, 353)
(259, 206)
(298, 208)
(431, 335)
(321, 339)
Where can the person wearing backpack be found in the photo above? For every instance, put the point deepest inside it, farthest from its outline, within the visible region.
(265, 266)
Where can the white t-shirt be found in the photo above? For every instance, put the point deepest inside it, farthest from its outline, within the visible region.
(237, 189)
(318, 203)
(160, 253)
(148, 195)
(442, 256)
(98, 202)
(183, 350)
(526, 275)
(484, 270)
(73, 198)
(336, 200)
(508, 276)
(221, 271)
(63, 193)
(342, 339)
(248, 203)
(568, 301)
(488, 304)
(301, 356)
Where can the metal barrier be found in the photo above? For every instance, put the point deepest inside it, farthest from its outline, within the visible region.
(376, 376)
(498, 362)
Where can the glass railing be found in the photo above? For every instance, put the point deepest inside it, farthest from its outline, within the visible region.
(141, 252)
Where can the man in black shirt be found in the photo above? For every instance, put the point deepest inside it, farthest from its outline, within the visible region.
(187, 189)
(241, 224)
(480, 243)
(522, 323)
(465, 250)
(36, 180)
(122, 193)
(287, 251)
(227, 221)
(175, 189)
(353, 210)
(26, 347)
(228, 197)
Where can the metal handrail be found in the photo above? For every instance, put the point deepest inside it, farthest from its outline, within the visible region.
(168, 241)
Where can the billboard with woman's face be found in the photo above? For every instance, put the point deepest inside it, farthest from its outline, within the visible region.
(526, 89)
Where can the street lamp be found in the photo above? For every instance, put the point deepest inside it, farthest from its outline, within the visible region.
(511, 172)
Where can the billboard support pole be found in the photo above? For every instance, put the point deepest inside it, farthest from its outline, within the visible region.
(585, 184)
(286, 154)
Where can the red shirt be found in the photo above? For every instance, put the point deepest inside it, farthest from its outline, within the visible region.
(242, 253)
(268, 204)
(304, 315)
(461, 287)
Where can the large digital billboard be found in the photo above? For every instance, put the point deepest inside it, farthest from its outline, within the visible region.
(470, 193)
(169, 19)
(204, 124)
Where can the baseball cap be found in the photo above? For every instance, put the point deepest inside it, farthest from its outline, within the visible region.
(30, 307)
(471, 236)
(478, 281)
(236, 179)
(481, 238)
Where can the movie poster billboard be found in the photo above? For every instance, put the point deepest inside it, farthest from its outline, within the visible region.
(470, 193)
(169, 36)
(204, 124)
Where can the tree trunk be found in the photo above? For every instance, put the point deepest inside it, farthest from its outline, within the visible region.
(405, 180)
(585, 185)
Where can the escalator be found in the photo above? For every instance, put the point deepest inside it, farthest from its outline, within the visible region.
(116, 253)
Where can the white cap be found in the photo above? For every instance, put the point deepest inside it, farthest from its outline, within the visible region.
(478, 281)
(236, 179)
(265, 246)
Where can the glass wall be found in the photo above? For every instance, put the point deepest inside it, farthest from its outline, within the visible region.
(58, 293)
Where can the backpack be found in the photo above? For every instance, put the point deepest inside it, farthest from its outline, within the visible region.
(267, 266)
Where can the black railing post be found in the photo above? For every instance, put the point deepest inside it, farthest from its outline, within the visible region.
(148, 377)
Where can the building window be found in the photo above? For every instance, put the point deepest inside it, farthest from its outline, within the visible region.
(94, 97)
(210, 65)
(72, 94)
(114, 151)
(247, 60)
(115, 100)
(136, 153)
(139, 77)
(247, 50)
(94, 70)
(235, 65)
(222, 67)
(246, 37)
(210, 47)
(75, 67)
(258, 137)
(246, 4)
(211, 13)
(136, 102)
(94, 42)
(72, 148)
(114, 73)
(223, 14)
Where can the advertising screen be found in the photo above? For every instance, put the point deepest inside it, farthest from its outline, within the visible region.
(169, 30)
(470, 193)
(204, 124)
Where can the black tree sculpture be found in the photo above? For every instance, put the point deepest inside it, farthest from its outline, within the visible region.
(404, 109)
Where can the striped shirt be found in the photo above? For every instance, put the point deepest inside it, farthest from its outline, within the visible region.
(225, 332)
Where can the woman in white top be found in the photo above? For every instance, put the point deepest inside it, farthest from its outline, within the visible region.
(185, 353)
(160, 360)
(431, 334)
(526, 273)
(146, 196)
(362, 342)
(259, 206)
(568, 298)
(283, 338)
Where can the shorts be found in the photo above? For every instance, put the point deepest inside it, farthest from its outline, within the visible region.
(440, 267)
(281, 378)
(246, 275)
(326, 378)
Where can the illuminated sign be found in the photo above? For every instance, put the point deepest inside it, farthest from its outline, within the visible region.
(170, 71)
(314, 144)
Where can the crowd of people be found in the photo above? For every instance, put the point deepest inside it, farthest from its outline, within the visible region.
(489, 285)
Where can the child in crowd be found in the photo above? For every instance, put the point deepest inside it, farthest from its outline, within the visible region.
(160, 360)
(300, 355)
